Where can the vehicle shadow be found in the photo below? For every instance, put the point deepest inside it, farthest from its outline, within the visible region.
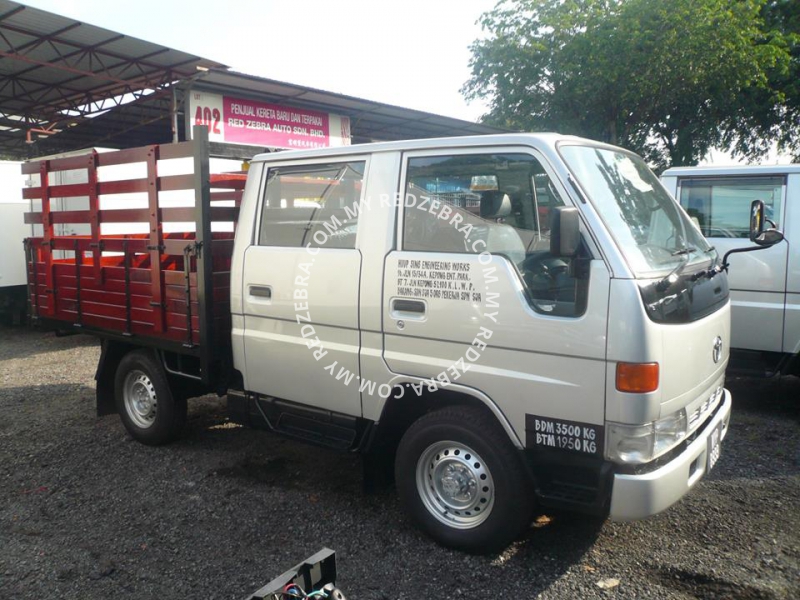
(371, 528)
(775, 395)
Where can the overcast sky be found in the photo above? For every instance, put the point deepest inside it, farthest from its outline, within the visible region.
(412, 53)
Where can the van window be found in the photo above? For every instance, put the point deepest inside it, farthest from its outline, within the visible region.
(314, 205)
(500, 203)
(721, 206)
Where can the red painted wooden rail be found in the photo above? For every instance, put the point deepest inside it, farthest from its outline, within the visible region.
(162, 286)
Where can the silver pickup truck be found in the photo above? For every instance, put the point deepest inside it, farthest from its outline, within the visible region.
(509, 321)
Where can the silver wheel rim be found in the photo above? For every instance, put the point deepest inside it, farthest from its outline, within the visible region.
(140, 399)
(455, 485)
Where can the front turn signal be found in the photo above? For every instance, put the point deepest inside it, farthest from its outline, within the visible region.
(637, 378)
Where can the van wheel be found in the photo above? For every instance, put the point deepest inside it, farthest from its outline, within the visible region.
(145, 403)
(462, 481)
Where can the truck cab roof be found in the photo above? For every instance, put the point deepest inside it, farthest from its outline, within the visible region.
(732, 170)
(545, 138)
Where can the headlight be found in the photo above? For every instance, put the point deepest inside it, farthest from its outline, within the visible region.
(635, 444)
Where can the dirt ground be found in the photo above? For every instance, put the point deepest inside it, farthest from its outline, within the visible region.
(87, 513)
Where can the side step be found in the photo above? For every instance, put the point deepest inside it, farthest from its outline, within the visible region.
(297, 421)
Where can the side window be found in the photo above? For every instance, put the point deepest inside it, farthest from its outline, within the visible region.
(500, 203)
(721, 206)
(313, 205)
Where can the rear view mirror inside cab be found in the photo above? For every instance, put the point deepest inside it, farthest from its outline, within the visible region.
(484, 183)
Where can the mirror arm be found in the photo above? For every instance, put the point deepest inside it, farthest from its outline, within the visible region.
(724, 266)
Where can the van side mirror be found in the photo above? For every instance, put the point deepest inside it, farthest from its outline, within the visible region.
(565, 233)
(763, 238)
(769, 237)
(759, 235)
(756, 219)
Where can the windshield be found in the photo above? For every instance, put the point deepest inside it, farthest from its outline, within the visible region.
(654, 234)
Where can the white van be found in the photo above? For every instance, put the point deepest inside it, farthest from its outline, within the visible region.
(13, 231)
(765, 286)
(512, 320)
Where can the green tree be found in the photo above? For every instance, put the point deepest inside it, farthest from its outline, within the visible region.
(770, 115)
(660, 78)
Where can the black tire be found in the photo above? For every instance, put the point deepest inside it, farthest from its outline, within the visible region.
(431, 443)
(158, 418)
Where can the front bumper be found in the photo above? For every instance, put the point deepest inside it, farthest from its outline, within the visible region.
(639, 496)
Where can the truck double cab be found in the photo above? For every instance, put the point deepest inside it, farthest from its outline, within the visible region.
(765, 286)
(513, 319)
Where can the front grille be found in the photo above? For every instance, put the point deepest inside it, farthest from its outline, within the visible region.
(701, 412)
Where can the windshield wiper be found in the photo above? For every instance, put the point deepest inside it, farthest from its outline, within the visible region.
(712, 270)
(684, 253)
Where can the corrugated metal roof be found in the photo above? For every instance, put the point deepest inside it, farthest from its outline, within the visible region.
(102, 88)
(55, 71)
(370, 120)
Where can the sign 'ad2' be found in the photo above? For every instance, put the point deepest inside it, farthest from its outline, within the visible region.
(251, 122)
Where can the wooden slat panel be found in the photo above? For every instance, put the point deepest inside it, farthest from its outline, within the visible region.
(118, 244)
(178, 321)
(178, 213)
(224, 213)
(123, 186)
(72, 190)
(170, 183)
(96, 280)
(176, 278)
(124, 215)
(187, 213)
(115, 289)
(70, 216)
(220, 196)
(179, 150)
(30, 168)
(176, 247)
(104, 297)
(222, 247)
(69, 163)
(121, 157)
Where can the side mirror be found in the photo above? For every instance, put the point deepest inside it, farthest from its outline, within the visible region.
(759, 235)
(565, 232)
(769, 237)
(756, 220)
(763, 238)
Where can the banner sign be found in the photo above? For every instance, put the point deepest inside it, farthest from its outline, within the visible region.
(244, 121)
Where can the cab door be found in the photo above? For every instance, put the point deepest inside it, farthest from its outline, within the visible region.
(474, 296)
(301, 286)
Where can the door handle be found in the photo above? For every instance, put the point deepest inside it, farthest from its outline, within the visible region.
(261, 291)
(411, 306)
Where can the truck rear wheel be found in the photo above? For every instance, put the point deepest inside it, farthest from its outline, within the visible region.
(145, 403)
(462, 481)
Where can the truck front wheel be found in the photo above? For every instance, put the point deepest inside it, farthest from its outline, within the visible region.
(462, 481)
(145, 403)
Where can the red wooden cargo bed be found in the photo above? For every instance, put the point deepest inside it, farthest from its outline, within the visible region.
(126, 247)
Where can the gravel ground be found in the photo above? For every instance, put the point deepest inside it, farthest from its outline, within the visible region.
(87, 513)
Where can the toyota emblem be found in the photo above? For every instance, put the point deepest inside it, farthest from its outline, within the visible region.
(716, 353)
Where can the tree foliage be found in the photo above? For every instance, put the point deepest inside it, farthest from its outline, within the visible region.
(669, 80)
